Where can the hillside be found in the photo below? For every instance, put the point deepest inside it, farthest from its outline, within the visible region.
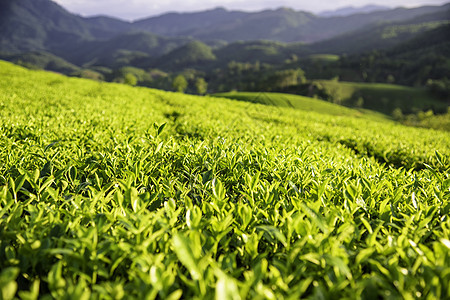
(108, 190)
(302, 103)
(182, 24)
(383, 35)
(41, 60)
(127, 49)
(383, 97)
(382, 102)
(283, 24)
(412, 62)
(193, 54)
(42, 25)
(351, 10)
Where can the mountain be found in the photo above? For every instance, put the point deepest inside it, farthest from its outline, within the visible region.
(124, 49)
(411, 62)
(280, 25)
(41, 60)
(176, 24)
(259, 51)
(351, 10)
(42, 25)
(46, 27)
(426, 56)
(283, 24)
(37, 24)
(104, 26)
(29, 25)
(327, 28)
(382, 35)
(190, 55)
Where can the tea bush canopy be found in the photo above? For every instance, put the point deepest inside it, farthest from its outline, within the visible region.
(111, 191)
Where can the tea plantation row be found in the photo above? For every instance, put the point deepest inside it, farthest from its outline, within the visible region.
(111, 192)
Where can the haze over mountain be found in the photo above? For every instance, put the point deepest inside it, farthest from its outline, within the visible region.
(139, 9)
(30, 25)
(351, 10)
(202, 40)
(384, 35)
(283, 24)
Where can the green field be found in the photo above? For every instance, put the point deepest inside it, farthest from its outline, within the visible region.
(110, 192)
(383, 97)
(324, 57)
(301, 103)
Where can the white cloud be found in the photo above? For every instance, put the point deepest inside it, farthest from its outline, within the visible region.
(134, 9)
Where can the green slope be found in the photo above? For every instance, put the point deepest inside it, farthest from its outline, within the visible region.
(41, 60)
(301, 103)
(383, 97)
(228, 198)
(193, 54)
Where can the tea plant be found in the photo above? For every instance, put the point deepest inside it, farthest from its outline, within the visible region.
(111, 192)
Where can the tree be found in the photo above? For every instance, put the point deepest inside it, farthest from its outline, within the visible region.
(201, 85)
(179, 84)
(130, 79)
(397, 114)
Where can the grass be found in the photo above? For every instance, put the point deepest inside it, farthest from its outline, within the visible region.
(383, 97)
(110, 192)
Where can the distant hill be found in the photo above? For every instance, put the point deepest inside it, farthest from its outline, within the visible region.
(123, 49)
(351, 10)
(43, 34)
(28, 25)
(176, 24)
(42, 25)
(383, 97)
(283, 24)
(189, 55)
(383, 35)
(412, 62)
(256, 51)
(41, 60)
(301, 103)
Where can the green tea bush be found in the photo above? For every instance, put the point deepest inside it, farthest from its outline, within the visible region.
(110, 192)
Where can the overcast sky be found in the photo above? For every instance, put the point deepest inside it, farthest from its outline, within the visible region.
(135, 9)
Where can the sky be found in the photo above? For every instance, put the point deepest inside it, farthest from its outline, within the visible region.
(136, 9)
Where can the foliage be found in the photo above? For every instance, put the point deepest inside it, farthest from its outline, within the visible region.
(130, 79)
(179, 83)
(379, 97)
(201, 86)
(192, 54)
(427, 119)
(89, 74)
(108, 191)
(440, 88)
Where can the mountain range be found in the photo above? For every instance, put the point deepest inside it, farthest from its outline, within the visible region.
(351, 10)
(216, 37)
